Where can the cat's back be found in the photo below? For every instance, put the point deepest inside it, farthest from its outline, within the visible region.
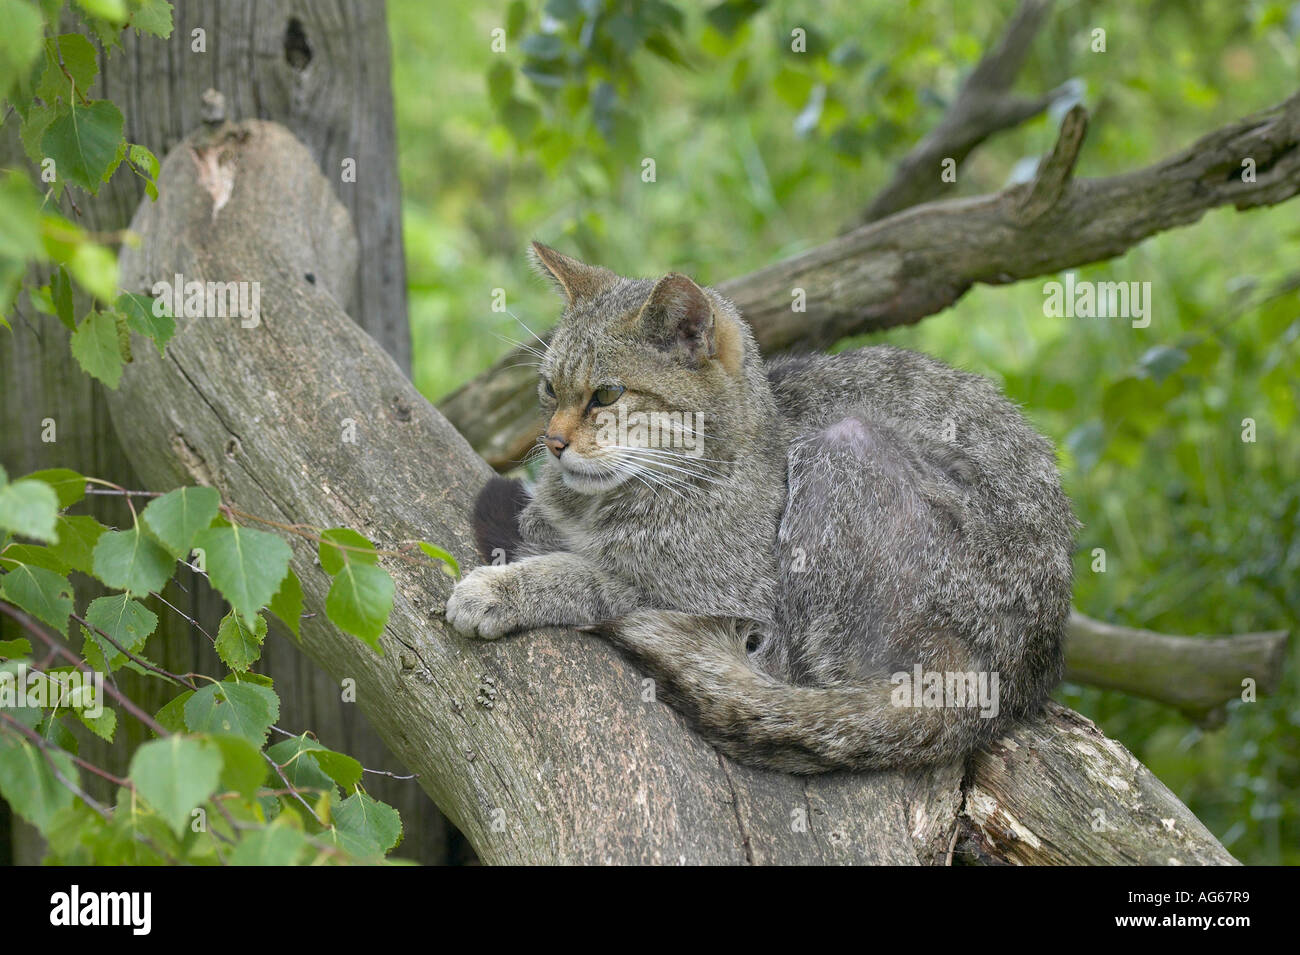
(916, 395)
(958, 421)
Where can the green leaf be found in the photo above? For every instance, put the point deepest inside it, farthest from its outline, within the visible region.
(178, 515)
(501, 82)
(29, 508)
(33, 128)
(20, 41)
(340, 545)
(54, 728)
(14, 649)
(153, 17)
(369, 819)
(287, 602)
(174, 775)
(114, 11)
(95, 346)
(247, 566)
(450, 566)
(302, 751)
(360, 849)
(277, 844)
(28, 783)
(243, 767)
(543, 46)
(83, 142)
(360, 600)
(516, 14)
(520, 117)
(34, 556)
(145, 164)
(78, 535)
(80, 67)
(126, 621)
(104, 725)
(68, 485)
(42, 593)
(1161, 361)
(243, 709)
(95, 269)
(238, 645)
(172, 714)
(61, 294)
(20, 239)
(297, 757)
(142, 318)
(132, 560)
(137, 835)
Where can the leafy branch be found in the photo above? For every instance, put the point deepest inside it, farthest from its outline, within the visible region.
(210, 788)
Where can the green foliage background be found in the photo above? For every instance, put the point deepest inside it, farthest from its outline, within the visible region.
(761, 152)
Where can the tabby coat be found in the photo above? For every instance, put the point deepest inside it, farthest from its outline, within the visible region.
(816, 574)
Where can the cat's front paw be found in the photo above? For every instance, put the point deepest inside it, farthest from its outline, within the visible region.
(476, 607)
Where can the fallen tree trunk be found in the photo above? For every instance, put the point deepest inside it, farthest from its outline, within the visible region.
(920, 261)
(540, 748)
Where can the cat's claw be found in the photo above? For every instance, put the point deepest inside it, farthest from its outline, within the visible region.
(475, 610)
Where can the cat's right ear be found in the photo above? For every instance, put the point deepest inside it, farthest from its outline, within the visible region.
(575, 280)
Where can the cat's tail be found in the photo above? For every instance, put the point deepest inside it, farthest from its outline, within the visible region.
(702, 665)
(496, 519)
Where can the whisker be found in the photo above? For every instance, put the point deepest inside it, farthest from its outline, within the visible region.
(673, 451)
(524, 346)
(527, 329)
(650, 460)
(660, 453)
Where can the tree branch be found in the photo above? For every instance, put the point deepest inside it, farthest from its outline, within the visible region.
(1198, 675)
(572, 761)
(920, 261)
(1058, 792)
(983, 106)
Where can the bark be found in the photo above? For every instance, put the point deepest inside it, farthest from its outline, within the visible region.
(1059, 792)
(322, 70)
(541, 748)
(920, 261)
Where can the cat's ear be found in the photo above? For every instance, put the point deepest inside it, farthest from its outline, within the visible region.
(575, 280)
(678, 316)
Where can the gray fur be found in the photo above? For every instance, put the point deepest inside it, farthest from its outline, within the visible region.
(851, 517)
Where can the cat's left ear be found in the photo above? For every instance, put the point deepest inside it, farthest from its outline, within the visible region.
(576, 280)
(678, 315)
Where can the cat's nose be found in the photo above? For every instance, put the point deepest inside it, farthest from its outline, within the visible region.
(556, 443)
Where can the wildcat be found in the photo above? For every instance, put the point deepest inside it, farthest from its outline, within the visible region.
(842, 526)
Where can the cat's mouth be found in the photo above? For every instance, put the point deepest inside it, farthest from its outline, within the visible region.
(588, 477)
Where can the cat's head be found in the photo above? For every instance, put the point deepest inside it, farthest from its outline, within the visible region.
(644, 380)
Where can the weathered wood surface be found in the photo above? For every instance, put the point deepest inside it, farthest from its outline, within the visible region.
(1059, 792)
(917, 262)
(541, 748)
(337, 100)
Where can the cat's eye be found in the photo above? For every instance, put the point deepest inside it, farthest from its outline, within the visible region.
(606, 396)
(550, 389)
